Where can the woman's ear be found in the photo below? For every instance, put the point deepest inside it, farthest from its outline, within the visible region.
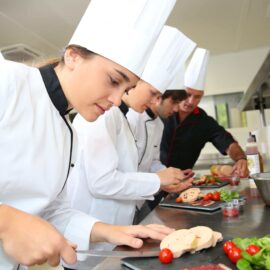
(71, 57)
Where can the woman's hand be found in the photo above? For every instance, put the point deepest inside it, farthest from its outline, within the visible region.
(178, 187)
(173, 176)
(31, 240)
(128, 235)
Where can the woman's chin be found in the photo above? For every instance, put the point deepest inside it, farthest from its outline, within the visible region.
(90, 117)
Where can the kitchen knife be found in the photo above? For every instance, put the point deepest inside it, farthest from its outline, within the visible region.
(118, 254)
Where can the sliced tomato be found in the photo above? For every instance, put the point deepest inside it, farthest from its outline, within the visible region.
(253, 249)
(165, 256)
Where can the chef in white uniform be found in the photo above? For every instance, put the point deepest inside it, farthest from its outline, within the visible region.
(112, 181)
(36, 139)
(147, 127)
(1, 57)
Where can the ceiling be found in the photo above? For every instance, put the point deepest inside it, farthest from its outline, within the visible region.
(222, 26)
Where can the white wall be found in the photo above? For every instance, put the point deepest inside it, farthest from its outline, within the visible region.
(207, 103)
(233, 72)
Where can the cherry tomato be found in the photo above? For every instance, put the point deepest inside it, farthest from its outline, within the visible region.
(216, 196)
(205, 197)
(253, 249)
(235, 254)
(178, 200)
(228, 245)
(208, 196)
(165, 256)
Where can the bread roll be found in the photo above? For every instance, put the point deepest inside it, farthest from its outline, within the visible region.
(179, 242)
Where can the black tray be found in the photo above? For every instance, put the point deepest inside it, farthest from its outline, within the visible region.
(222, 184)
(213, 255)
(170, 202)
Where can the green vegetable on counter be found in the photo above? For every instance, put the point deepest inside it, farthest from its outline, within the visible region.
(260, 260)
(228, 195)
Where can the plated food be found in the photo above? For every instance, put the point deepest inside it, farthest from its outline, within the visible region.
(194, 196)
(221, 170)
(220, 175)
(190, 240)
(199, 200)
(210, 181)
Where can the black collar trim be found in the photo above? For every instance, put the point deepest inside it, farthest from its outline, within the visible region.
(54, 88)
(124, 108)
(150, 113)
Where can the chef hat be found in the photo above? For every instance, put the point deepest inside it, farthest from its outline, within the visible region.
(123, 31)
(1, 57)
(170, 52)
(195, 75)
(178, 83)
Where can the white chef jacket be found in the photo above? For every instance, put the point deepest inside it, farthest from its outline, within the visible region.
(147, 130)
(36, 151)
(108, 187)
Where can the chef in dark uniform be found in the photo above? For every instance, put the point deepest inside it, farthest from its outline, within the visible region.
(187, 131)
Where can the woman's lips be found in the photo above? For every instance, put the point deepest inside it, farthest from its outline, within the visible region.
(101, 109)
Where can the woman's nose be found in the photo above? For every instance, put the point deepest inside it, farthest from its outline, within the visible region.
(116, 98)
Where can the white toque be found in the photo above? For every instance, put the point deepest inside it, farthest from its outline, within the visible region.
(123, 31)
(178, 83)
(195, 75)
(169, 54)
(1, 57)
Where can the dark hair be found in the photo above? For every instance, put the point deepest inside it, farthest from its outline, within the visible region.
(83, 52)
(176, 95)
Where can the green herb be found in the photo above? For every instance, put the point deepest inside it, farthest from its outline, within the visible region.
(243, 264)
(228, 195)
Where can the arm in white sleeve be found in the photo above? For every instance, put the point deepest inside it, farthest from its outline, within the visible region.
(101, 164)
(76, 226)
(156, 165)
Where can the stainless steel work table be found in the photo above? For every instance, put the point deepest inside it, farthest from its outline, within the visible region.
(253, 221)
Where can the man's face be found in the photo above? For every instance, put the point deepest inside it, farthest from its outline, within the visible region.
(167, 107)
(193, 99)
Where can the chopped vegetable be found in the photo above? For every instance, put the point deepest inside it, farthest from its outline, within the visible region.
(228, 195)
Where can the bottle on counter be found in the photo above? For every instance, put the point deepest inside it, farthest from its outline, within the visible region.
(254, 158)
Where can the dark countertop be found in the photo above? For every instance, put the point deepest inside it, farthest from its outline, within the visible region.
(253, 221)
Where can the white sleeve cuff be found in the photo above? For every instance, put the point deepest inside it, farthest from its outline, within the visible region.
(79, 229)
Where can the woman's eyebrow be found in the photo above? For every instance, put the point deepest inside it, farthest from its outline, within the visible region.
(125, 77)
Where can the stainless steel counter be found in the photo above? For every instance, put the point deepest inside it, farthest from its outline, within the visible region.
(253, 221)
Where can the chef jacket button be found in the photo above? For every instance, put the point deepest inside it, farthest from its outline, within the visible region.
(72, 165)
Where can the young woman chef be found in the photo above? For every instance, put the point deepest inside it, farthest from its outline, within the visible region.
(109, 187)
(36, 139)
